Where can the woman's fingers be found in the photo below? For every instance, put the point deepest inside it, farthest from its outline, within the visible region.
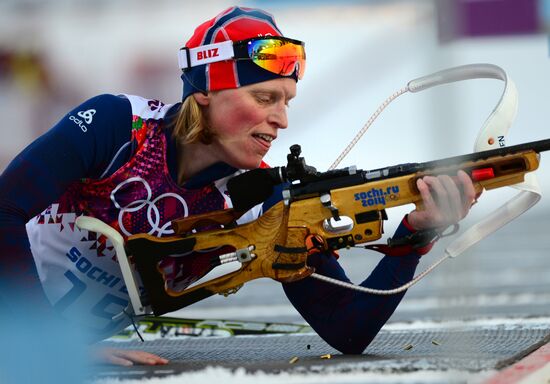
(115, 360)
(440, 195)
(469, 194)
(446, 200)
(129, 357)
(454, 199)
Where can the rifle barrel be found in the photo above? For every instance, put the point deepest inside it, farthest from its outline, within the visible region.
(322, 184)
(408, 168)
(536, 146)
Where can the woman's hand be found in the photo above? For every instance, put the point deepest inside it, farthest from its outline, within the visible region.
(445, 201)
(126, 357)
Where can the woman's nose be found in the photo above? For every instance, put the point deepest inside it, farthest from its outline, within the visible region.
(278, 117)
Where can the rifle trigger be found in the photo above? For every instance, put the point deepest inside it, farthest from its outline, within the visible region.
(327, 203)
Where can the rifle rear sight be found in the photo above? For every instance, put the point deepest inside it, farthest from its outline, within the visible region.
(296, 168)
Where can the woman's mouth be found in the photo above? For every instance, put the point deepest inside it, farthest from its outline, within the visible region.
(264, 139)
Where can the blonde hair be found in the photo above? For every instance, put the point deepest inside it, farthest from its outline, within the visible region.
(191, 125)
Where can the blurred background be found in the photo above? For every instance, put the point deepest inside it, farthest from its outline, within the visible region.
(54, 54)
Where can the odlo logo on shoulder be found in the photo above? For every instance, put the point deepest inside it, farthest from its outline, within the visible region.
(86, 115)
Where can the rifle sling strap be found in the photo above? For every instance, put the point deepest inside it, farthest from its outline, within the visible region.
(420, 248)
(419, 242)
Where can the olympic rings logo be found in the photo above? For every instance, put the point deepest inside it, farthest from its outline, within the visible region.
(153, 213)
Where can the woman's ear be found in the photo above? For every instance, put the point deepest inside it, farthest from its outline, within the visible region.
(202, 98)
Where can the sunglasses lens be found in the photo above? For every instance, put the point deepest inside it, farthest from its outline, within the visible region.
(278, 56)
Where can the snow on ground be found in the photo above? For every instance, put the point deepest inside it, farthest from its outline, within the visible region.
(226, 376)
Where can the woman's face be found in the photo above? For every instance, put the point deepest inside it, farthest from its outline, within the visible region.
(245, 120)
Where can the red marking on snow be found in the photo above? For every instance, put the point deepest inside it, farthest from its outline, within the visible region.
(523, 368)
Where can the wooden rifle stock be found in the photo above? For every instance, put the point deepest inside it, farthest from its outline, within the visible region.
(343, 211)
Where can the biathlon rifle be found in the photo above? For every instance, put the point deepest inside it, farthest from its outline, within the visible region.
(341, 208)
